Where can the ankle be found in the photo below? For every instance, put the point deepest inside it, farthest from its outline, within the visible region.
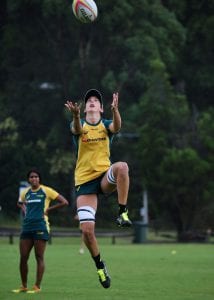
(98, 262)
(36, 286)
(122, 208)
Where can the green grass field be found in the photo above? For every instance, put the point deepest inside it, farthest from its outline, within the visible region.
(145, 271)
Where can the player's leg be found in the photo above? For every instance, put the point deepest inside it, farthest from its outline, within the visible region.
(86, 209)
(25, 247)
(39, 248)
(117, 178)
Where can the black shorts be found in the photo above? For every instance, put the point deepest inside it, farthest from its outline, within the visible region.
(90, 187)
(35, 235)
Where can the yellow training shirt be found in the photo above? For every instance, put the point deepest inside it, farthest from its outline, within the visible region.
(93, 151)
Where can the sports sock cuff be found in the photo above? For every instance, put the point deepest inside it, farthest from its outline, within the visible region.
(122, 208)
(98, 262)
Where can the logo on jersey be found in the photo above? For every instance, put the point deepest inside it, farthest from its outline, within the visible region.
(93, 140)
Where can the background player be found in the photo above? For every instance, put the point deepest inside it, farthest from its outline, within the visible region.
(35, 205)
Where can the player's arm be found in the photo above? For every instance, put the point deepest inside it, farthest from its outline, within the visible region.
(61, 201)
(116, 123)
(21, 205)
(76, 127)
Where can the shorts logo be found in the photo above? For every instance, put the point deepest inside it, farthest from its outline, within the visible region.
(77, 188)
(40, 232)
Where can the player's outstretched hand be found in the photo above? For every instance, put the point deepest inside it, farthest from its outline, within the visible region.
(114, 105)
(74, 108)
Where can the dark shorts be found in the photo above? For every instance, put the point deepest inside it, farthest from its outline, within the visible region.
(90, 187)
(35, 235)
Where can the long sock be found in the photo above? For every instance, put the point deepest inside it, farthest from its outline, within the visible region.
(122, 208)
(98, 262)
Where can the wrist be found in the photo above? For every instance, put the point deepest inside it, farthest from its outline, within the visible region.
(76, 116)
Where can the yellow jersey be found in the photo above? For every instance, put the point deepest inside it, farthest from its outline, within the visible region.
(93, 150)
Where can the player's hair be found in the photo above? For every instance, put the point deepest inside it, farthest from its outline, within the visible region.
(34, 170)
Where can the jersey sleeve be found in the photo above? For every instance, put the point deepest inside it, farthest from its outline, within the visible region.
(107, 123)
(22, 196)
(51, 193)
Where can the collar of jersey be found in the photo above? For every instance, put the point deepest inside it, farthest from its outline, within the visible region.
(95, 123)
(35, 190)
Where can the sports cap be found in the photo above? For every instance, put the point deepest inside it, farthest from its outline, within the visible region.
(93, 92)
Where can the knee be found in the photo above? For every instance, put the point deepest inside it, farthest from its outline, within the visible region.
(24, 257)
(122, 168)
(39, 257)
(88, 234)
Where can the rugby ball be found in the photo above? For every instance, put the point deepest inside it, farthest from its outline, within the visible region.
(85, 10)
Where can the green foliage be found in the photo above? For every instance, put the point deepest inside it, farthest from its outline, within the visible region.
(173, 167)
(61, 162)
(206, 130)
(8, 133)
(197, 63)
(179, 170)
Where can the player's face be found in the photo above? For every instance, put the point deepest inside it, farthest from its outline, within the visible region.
(93, 105)
(34, 179)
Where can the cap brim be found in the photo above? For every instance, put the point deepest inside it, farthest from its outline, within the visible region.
(95, 93)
